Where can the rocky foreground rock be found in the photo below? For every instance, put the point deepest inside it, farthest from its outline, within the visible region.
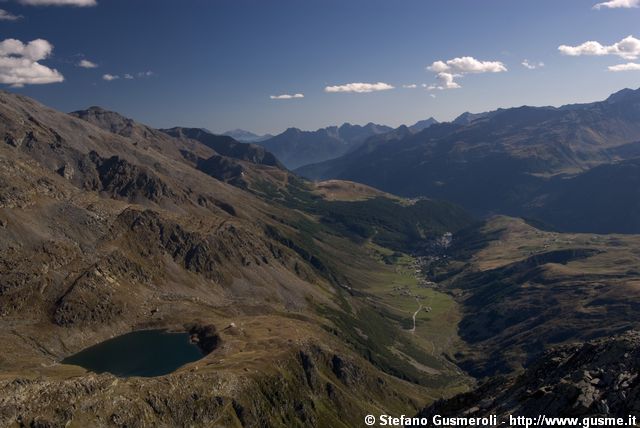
(595, 378)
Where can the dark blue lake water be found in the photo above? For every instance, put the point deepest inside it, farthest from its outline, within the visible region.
(144, 353)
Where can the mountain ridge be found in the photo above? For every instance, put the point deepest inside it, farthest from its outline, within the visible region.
(501, 161)
(245, 136)
(102, 234)
(295, 147)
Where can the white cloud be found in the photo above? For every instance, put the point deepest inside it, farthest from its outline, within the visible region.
(446, 81)
(432, 95)
(127, 76)
(615, 4)
(467, 64)
(19, 64)
(85, 63)
(410, 86)
(286, 97)
(359, 87)
(8, 16)
(448, 71)
(627, 48)
(630, 66)
(80, 3)
(532, 65)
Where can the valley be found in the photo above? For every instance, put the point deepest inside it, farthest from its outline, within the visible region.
(111, 228)
(334, 214)
(310, 302)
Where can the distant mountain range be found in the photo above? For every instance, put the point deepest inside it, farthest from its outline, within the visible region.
(245, 136)
(295, 147)
(421, 125)
(522, 161)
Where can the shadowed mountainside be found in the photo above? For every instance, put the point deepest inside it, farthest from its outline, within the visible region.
(515, 161)
(523, 290)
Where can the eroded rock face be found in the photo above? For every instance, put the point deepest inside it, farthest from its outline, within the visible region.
(13, 140)
(151, 235)
(122, 178)
(92, 299)
(205, 336)
(594, 378)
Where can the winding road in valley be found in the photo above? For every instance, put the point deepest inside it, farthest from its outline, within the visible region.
(415, 314)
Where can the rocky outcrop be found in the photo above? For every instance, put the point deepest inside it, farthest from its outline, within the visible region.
(595, 378)
(92, 299)
(149, 235)
(120, 178)
(205, 336)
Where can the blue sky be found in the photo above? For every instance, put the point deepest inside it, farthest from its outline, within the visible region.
(217, 63)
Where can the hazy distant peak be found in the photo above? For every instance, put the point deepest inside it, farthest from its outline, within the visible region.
(467, 117)
(422, 124)
(244, 136)
(623, 95)
(292, 130)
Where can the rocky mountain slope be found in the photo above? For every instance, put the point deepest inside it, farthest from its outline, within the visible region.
(320, 302)
(221, 157)
(226, 146)
(523, 290)
(594, 379)
(106, 226)
(512, 161)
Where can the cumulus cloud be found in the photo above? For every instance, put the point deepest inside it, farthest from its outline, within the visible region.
(630, 66)
(359, 87)
(128, 76)
(85, 63)
(19, 63)
(110, 77)
(446, 81)
(8, 16)
(627, 48)
(448, 71)
(467, 64)
(80, 3)
(616, 4)
(286, 97)
(532, 65)
(146, 74)
(410, 86)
